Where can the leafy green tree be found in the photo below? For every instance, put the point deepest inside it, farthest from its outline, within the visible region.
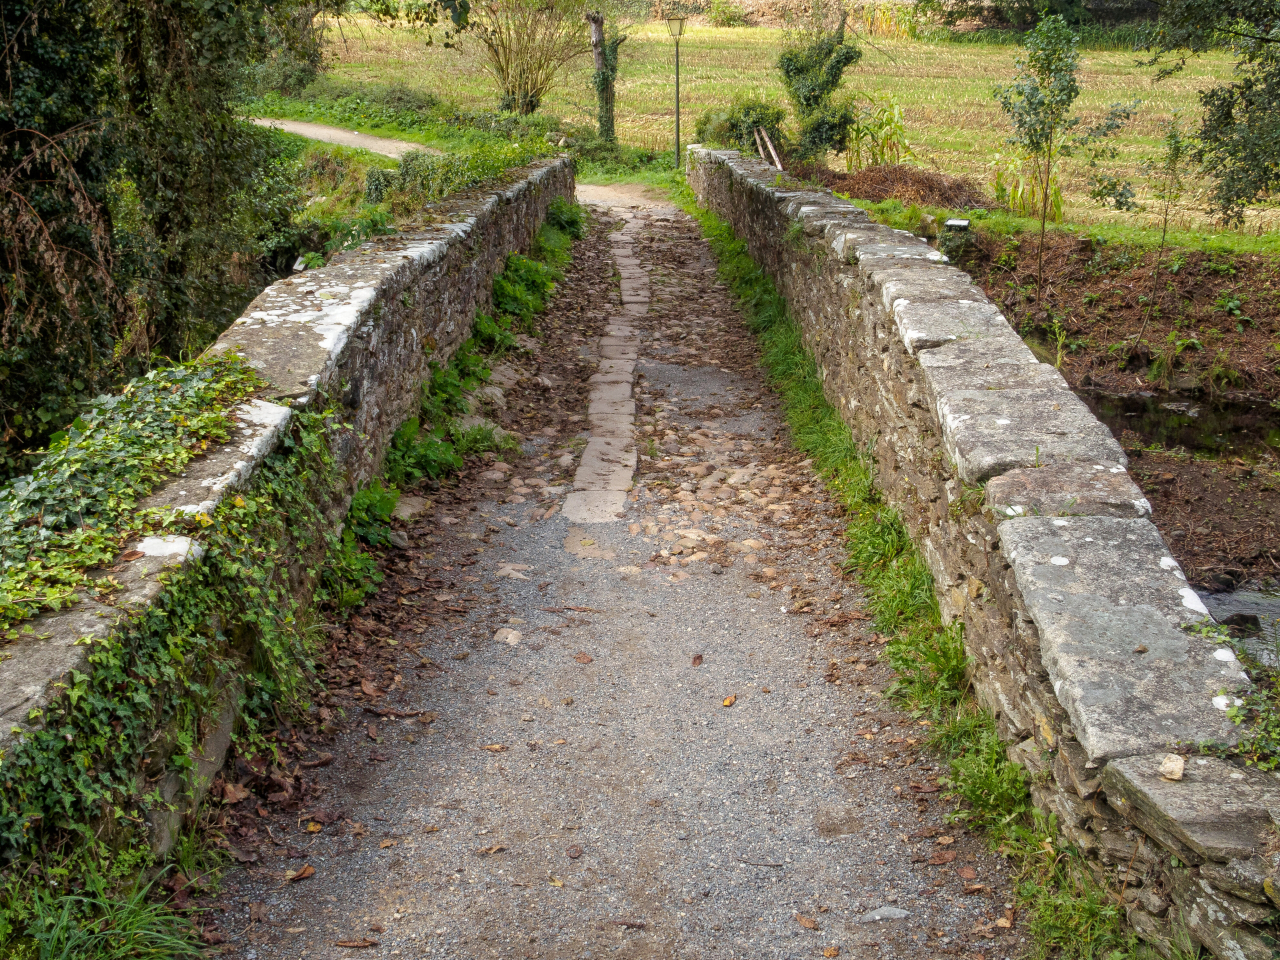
(810, 75)
(1239, 140)
(1038, 104)
(59, 303)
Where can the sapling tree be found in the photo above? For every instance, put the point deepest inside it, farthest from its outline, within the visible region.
(605, 42)
(1038, 104)
(1168, 181)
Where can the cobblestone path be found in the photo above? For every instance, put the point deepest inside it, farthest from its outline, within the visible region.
(615, 698)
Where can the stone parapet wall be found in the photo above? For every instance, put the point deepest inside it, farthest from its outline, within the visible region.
(1079, 622)
(355, 338)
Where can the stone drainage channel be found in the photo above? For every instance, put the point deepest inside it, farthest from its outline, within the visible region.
(656, 728)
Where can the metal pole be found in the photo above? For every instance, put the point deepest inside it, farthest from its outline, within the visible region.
(677, 103)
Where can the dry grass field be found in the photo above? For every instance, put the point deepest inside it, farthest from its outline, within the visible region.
(944, 88)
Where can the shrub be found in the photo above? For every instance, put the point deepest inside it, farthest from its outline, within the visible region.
(735, 127)
(526, 44)
(726, 13)
(810, 74)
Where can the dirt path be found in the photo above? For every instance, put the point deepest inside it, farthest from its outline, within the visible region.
(345, 138)
(657, 732)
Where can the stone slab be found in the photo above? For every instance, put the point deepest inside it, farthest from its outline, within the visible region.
(606, 464)
(618, 348)
(610, 406)
(594, 506)
(987, 432)
(1001, 362)
(1066, 489)
(931, 323)
(1217, 811)
(1099, 590)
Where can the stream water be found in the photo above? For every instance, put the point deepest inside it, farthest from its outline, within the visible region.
(1232, 428)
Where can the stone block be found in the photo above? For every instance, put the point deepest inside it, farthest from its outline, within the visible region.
(1066, 489)
(1110, 606)
(987, 432)
(999, 362)
(607, 464)
(1246, 879)
(1217, 811)
(924, 325)
(1209, 920)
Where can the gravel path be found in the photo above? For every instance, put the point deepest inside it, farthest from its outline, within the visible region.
(659, 734)
(345, 138)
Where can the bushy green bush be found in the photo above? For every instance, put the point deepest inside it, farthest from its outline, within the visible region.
(735, 127)
(810, 74)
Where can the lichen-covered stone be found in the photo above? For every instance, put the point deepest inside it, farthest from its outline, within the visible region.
(1066, 489)
(1217, 811)
(1110, 606)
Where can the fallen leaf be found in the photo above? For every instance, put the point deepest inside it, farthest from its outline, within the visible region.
(943, 841)
(370, 690)
(377, 928)
(295, 929)
(387, 843)
(697, 659)
(372, 732)
(241, 856)
(942, 856)
(831, 951)
(560, 743)
(431, 828)
(730, 700)
(302, 874)
(356, 944)
(807, 922)
(258, 912)
(967, 873)
(314, 827)
(495, 747)
(583, 657)
(129, 555)
(924, 788)
(490, 851)
(1004, 923)
(975, 888)
(629, 924)
(573, 852)
(234, 792)
(556, 882)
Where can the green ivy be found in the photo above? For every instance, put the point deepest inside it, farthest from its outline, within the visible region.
(79, 505)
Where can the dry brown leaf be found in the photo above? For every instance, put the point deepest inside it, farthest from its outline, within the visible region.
(583, 657)
(431, 829)
(573, 852)
(807, 922)
(831, 951)
(234, 792)
(942, 856)
(314, 827)
(372, 731)
(490, 851)
(971, 888)
(697, 659)
(730, 700)
(387, 843)
(1004, 923)
(370, 690)
(943, 841)
(494, 747)
(967, 873)
(301, 874)
(356, 944)
(130, 555)
(556, 882)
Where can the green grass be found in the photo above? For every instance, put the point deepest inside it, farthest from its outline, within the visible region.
(944, 87)
(1069, 915)
(1133, 234)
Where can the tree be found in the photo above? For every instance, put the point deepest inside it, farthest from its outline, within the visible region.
(1239, 139)
(527, 43)
(605, 49)
(810, 74)
(1038, 104)
(1168, 180)
(60, 306)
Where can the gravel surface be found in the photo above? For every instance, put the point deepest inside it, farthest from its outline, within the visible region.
(345, 138)
(661, 736)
